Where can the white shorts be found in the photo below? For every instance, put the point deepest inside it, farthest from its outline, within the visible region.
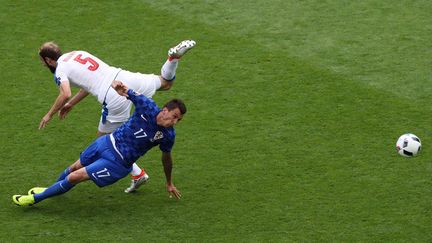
(108, 127)
(117, 107)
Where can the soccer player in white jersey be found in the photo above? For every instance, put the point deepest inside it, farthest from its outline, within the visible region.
(93, 76)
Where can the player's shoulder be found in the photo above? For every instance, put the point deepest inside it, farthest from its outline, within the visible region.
(86, 53)
(141, 98)
(62, 57)
(67, 56)
(171, 132)
(61, 62)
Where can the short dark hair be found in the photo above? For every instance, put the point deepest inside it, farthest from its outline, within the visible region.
(50, 50)
(176, 103)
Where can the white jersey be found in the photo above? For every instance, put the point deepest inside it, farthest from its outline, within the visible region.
(85, 71)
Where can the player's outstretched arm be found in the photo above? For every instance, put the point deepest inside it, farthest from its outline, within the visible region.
(64, 95)
(167, 164)
(80, 95)
(120, 87)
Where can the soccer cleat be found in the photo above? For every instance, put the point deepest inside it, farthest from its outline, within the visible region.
(36, 190)
(180, 49)
(136, 183)
(23, 200)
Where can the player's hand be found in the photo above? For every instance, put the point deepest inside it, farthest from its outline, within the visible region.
(65, 110)
(172, 191)
(44, 121)
(120, 87)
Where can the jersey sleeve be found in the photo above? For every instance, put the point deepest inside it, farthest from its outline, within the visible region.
(60, 75)
(142, 104)
(167, 145)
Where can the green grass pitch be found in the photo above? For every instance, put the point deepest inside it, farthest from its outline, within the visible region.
(294, 108)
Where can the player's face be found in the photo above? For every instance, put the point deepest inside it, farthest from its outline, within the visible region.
(52, 68)
(169, 118)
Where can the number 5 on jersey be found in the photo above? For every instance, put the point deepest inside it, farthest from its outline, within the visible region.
(94, 65)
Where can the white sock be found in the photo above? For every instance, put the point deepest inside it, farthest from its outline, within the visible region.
(168, 70)
(136, 170)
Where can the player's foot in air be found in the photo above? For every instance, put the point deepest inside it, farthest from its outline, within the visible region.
(180, 49)
(137, 182)
(36, 190)
(23, 200)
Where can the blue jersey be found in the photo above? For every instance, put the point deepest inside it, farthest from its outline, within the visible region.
(141, 132)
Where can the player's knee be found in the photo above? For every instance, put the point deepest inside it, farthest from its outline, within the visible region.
(77, 176)
(75, 166)
(73, 177)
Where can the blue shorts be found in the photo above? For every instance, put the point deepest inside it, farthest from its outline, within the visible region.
(103, 165)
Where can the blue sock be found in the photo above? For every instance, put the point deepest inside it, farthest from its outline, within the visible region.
(57, 188)
(64, 174)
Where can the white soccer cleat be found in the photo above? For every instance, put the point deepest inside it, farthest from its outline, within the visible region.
(136, 183)
(180, 49)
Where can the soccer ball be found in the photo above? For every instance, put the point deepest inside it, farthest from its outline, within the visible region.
(408, 145)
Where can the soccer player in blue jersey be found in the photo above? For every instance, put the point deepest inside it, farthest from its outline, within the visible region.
(94, 76)
(110, 157)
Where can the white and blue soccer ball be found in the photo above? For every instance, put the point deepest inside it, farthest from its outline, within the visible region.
(408, 145)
